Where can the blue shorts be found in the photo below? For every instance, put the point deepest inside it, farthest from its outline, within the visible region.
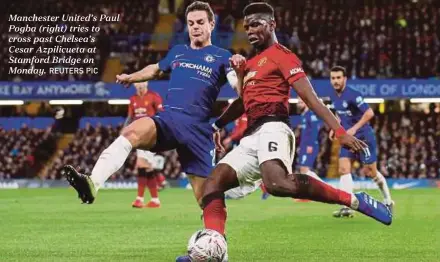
(370, 139)
(191, 138)
(305, 159)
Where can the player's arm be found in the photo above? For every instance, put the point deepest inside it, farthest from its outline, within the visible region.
(234, 111)
(290, 67)
(305, 90)
(236, 81)
(235, 74)
(147, 73)
(366, 117)
(331, 133)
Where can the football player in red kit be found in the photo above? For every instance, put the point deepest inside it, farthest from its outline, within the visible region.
(145, 103)
(267, 149)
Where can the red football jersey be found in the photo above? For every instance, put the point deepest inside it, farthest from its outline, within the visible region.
(146, 105)
(266, 85)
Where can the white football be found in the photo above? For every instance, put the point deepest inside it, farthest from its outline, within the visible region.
(207, 245)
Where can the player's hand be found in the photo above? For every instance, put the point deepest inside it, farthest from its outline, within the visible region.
(352, 131)
(238, 63)
(353, 143)
(218, 142)
(331, 135)
(309, 149)
(227, 141)
(124, 79)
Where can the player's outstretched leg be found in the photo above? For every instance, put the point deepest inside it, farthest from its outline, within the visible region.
(222, 179)
(279, 183)
(140, 133)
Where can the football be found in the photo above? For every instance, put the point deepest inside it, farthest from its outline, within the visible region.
(207, 245)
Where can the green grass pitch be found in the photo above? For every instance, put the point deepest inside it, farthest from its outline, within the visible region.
(52, 225)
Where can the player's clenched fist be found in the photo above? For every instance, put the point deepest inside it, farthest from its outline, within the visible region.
(238, 63)
(123, 79)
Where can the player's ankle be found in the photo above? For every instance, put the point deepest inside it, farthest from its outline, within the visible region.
(139, 198)
(354, 202)
(155, 200)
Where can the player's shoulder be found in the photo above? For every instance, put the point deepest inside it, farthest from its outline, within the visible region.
(219, 52)
(353, 92)
(281, 52)
(133, 97)
(280, 49)
(179, 49)
(153, 93)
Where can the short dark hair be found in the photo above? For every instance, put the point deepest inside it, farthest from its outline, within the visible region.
(258, 8)
(201, 6)
(339, 69)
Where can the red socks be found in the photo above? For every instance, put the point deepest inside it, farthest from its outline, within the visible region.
(152, 186)
(142, 183)
(313, 189)
(159, 179)
(214, 212)
(263, 188)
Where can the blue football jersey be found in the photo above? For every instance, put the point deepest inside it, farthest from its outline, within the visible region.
(310, 126)
(196, 78)
(350, 107)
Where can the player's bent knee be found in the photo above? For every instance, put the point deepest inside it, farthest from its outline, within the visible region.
(276, 179)
(141, 133)
(344, 170)
(222, 178)
(132, 135)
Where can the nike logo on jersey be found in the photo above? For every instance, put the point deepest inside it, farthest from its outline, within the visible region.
(179, 55)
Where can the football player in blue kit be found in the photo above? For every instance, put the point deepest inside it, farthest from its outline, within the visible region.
(355, 115)
(198, 71)
(309, 140)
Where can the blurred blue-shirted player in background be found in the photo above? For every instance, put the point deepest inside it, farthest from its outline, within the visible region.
(355, 115)
(198, 71)
(309, 140)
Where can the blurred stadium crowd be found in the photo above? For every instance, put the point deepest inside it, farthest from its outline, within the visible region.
(407, 148)
(371, 38)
